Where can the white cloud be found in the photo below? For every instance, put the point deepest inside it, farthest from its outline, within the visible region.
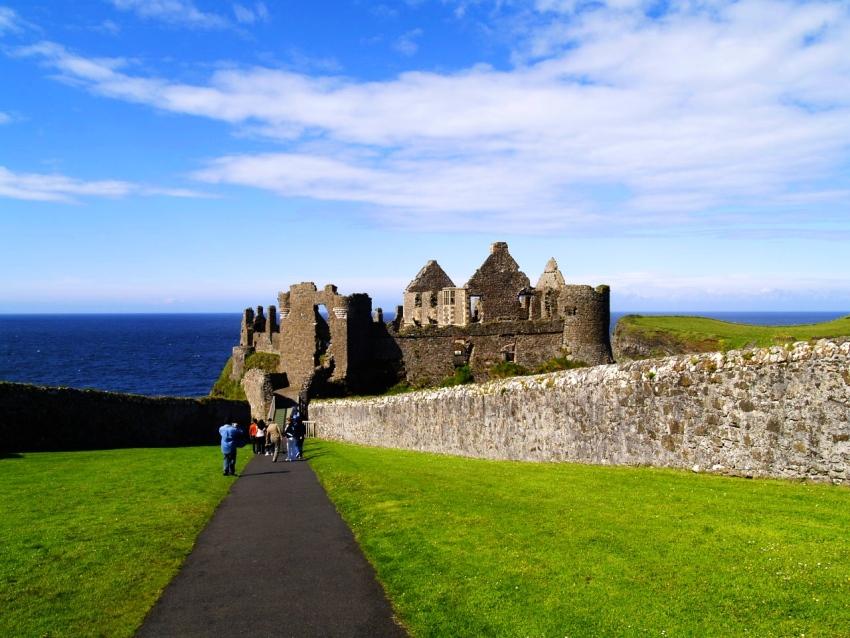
(109, 27)
(249, 15)
(60, 188)
(736, 291)
(407, 43)
(10, 21)
(637, 121)
(5, 118)
(174, 12)
(55, 188)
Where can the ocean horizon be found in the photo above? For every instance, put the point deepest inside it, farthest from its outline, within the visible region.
(182, 354)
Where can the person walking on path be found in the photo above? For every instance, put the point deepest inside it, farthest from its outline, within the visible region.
(260, 439)
(252, 432)
(291, 442)
(273, 437)
(230, 435)
(300, 432)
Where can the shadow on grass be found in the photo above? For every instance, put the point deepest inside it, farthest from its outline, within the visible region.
(11, 455)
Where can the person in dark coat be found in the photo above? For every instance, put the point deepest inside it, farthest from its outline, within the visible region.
(291, 442)
(300, 432)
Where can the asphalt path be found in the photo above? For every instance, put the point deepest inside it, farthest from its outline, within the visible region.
(275, 560)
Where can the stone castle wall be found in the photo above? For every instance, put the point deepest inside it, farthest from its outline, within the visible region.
(497, 283)
(429, 352)
(770, 413)
(37, 418)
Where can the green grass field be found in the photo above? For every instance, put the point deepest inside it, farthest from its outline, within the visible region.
(89, 539)
(479, 548)
(700, 334)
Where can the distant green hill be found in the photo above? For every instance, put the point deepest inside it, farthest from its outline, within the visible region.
(638, 336)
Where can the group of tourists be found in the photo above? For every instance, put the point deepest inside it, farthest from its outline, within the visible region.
(266, 439)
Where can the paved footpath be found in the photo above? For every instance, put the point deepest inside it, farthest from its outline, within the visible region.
(275, 560)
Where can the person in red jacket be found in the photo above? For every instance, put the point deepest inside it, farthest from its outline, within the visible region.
(252, 432)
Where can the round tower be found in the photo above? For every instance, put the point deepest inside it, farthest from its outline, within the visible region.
(587, 315)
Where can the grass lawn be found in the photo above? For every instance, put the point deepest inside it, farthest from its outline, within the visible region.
(700, 334)
(468, 547)
(89, 539)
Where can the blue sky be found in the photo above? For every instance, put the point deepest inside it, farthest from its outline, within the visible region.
(190, 155)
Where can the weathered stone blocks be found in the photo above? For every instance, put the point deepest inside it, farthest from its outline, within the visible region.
(772, 412)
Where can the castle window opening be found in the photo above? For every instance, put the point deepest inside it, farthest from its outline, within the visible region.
(323, 334)
(417, 300)
(550, 304)
(432, 300)
(448, 297)
(475, 308)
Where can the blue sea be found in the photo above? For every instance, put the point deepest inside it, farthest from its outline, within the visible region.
(162, 354)
(175, 354)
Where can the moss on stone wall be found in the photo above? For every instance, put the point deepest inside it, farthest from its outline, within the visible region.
(507, 369)
(556, 364)
(265, 361)
(462, 376)
(227, 388)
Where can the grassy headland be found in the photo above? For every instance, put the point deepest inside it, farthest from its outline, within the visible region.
(639, 335)
(467, 547)
(89, 539)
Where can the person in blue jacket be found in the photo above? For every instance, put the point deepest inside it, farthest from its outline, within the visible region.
(230, 436)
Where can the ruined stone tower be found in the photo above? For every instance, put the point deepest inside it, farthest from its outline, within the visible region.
(329, 343)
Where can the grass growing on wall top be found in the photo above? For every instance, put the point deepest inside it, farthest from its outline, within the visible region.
(700, 334)
(265, 361)
(89, 539)
(506, 369)
(466, 547)
(462, 375)
(227, 388)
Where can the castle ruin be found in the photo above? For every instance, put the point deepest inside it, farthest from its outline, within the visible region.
(330, 344)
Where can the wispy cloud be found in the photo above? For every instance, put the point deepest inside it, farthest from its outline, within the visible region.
(10, 21)
(61, 188)
(250, 15)
(5, 118)
(620, 120)
(173, 12)
(407, 43)
(109, 27)
(735, 291)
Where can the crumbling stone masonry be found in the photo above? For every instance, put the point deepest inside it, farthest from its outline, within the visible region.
(331, 344)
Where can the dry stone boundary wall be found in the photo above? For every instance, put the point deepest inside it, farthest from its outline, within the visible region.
(37, 418)
(775, 412)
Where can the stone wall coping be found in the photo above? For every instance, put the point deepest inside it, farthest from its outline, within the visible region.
(633, 371)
